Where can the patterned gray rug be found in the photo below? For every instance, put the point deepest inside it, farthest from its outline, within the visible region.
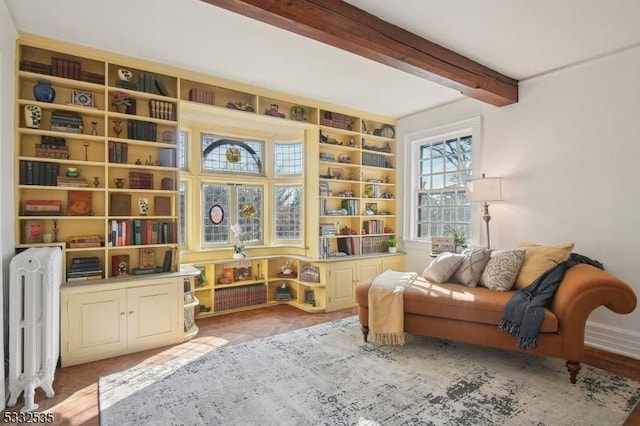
(326, 375)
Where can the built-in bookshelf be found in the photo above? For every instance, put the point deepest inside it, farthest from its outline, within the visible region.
(96, 163)
(357, 185)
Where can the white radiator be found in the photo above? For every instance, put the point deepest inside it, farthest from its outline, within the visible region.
(34, 322)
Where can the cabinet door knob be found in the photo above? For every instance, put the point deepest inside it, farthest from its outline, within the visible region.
(122, 313)
(130, 312)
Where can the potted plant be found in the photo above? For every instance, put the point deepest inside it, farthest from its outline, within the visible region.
(391, 244)
(121, 101)
(459, 239)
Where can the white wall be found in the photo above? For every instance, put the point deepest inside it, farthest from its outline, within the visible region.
(570, 153)
(8, 35)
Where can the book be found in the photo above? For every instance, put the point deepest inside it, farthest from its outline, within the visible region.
(79, 203)
(120, 204)
(162, 205)
(120, 265)
(82, 260)
(146, 271)
(167, 261)
(162, 89)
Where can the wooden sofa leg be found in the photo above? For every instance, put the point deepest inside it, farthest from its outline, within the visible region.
(573, 367)
(365, 332)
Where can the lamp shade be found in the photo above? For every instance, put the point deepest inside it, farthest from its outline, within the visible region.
(484, 189)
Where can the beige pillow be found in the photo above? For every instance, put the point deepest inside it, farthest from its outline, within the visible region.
(502, 269)
(442, 267)
(538, 260)
(473, 263)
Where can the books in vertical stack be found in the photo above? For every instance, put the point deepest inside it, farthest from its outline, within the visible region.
(142, 130)
(140, 180)
(201, 96)
(118, 152)
(127, 232)
(38, 173)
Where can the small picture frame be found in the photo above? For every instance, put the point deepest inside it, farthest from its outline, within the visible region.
(310, 297)
(335, 172)
(371, 207)
(82, 98)
(147, 258)
(310, 274)
(33, 231)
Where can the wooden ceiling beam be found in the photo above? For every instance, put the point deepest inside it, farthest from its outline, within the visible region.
(346, 27)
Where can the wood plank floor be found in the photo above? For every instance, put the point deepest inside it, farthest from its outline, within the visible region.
(76, 399)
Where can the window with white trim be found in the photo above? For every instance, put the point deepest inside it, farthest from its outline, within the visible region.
(442, 160)
(255, 183)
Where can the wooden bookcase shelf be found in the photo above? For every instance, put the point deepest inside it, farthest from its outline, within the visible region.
(67, 163)
(127, 154)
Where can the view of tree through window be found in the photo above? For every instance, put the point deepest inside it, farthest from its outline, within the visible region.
(443, 167)
(288, 221)
(242, 204)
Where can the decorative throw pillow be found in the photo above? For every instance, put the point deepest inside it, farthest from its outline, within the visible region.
(539, 259)
(470, 269)
(501, 270)
(442, 267)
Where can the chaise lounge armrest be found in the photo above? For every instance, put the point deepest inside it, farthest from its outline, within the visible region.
(583, 289)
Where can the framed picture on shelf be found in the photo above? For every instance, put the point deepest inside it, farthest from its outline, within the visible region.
(147, 258)
(310, 297)
(33, 231)
(335, 172)
(79, 203)
(371, 207)
(310, 274)
(82, 98)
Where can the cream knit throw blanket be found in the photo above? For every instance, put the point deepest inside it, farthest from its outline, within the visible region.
(386, 307)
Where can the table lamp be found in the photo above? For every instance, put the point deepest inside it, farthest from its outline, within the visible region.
(484, 190)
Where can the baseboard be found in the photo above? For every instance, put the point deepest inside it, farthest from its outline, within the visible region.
(613, 339)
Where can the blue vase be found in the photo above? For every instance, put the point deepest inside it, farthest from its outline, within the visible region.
(43, 91)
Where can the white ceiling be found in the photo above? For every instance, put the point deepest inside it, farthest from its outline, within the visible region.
(519, 38)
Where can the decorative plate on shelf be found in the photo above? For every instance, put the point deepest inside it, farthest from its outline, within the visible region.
(299, 113)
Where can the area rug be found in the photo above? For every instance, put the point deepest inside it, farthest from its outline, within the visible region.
(327, 375)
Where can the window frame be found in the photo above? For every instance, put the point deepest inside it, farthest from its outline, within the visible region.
(413, 143)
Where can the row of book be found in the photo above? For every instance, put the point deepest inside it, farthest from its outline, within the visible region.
(142, 130)
(38, 173)
(202, 96)
(150, 83)
(85, 268)
(118, 152)
(140, 180)
(349, 246)
(128, 232)
(238, 297)
(62, 68)
(373, 226)
(162, 110)
(375, 160)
